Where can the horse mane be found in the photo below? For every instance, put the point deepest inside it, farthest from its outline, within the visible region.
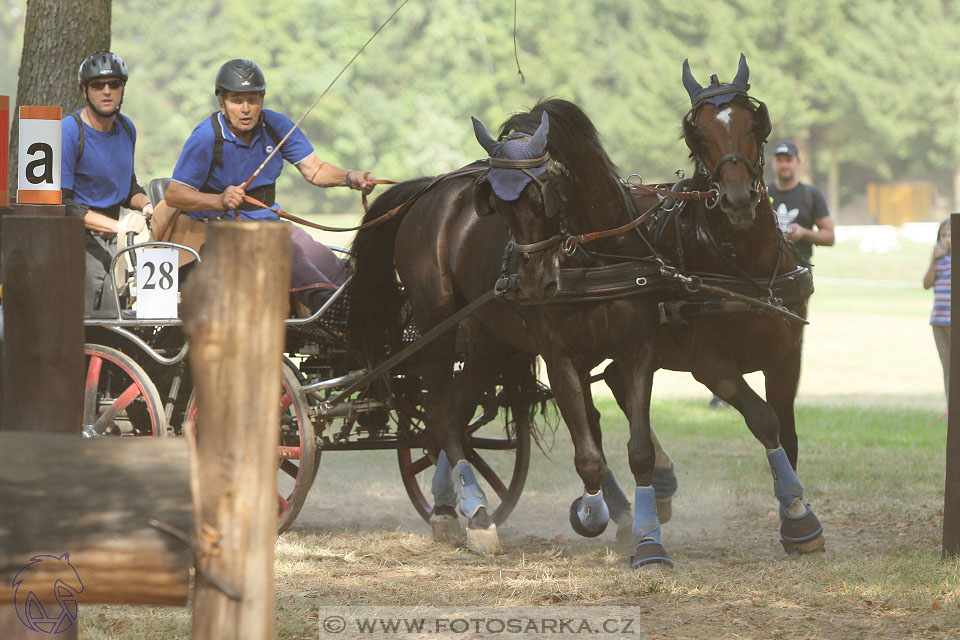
(573, 139)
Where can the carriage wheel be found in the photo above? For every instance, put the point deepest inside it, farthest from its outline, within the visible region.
(298, 448)
(501, 462)
(119, 398)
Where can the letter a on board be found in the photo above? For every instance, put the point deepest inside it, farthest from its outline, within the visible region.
(40, 170)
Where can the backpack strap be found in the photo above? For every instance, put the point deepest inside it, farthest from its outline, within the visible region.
(76, 116)
(217, 160)
(271, 132)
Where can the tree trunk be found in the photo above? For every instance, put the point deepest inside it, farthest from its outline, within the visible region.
(57, 36)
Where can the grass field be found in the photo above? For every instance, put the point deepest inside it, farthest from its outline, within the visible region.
(871, 458)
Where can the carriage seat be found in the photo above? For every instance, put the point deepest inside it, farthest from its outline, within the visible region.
(157, 189)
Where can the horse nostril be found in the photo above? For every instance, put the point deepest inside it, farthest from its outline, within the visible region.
(550, 289)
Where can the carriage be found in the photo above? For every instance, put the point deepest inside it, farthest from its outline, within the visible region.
(710, 287)
(138, 384)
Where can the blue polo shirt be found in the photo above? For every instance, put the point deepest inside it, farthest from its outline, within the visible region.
(240, 159)
(104, 174)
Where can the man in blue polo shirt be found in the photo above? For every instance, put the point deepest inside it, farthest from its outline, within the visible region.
(97, 176)
(226, 149)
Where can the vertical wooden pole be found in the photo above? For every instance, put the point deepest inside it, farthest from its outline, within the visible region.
(951, 493)
(4, 150)
(233, 310)
(42, 275)
(42, 365)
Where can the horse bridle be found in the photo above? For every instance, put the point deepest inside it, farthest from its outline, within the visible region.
(549, 194)
(754, 168)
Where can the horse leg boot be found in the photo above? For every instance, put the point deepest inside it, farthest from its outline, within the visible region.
(646, 532)
(638, 379)
(588, 513)
(443, 521)
(664, 478)
(800, 530)
(472, 503)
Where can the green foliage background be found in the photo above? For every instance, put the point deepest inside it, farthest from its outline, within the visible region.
(867, 84)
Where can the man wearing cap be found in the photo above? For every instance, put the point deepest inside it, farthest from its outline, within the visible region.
(228, 147)
(97, 176)
(799, 206)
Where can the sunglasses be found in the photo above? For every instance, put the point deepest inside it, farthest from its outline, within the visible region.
(98, 85)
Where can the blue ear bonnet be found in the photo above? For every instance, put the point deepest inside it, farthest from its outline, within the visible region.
(509, 183)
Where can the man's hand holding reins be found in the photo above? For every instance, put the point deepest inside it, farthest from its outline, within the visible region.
(231, 198)
(361, 181)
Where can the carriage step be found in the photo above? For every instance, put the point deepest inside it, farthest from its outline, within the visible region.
(333, 383)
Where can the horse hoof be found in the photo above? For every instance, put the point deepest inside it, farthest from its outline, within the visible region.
(807, 546)
(446, 528)
(579, 527)
(801, 534)
(484, 541)
(650, 554)
(664, 509)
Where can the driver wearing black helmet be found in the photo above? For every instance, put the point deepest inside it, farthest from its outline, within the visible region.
(228, 147)
(97, 176)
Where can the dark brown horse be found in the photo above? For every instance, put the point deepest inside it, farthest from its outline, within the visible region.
(447, 256)
(743, 297)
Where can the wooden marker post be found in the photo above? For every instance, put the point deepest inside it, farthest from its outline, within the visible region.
(951, 493)
(233, 310)
(4, 150)
(38, 169)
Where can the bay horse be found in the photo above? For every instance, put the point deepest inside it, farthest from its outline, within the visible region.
(743, 296)
(446, 255)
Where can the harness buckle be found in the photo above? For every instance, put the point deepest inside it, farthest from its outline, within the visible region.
(714, 200)
(569, 247)
(669, 271)
(641, 282)
(691, 283)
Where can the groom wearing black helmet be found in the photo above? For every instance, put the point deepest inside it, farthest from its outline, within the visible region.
(97, 172)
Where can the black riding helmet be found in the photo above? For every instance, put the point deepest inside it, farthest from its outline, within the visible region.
(240, 75)
(101, 64)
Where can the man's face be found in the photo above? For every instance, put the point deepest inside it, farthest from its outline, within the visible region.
(105, 94)
(786, 166)
(242, 109)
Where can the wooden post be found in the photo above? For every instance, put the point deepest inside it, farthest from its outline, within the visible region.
(93, 498)
(4, 150)
(233, 310)
(951, 492)
(41, 374)
(42, 275)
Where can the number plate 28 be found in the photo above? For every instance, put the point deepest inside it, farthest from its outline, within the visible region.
(157, 282)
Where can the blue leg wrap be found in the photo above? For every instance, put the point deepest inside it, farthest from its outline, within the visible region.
(786, 484)
(442, 487)
(664, 482)
(593, 512)
(470, 495)
(645, 523)
(616, 500)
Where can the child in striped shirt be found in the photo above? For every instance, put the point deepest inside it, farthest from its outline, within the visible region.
(938, 277)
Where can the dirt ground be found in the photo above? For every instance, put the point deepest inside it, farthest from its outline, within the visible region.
(732, 579)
